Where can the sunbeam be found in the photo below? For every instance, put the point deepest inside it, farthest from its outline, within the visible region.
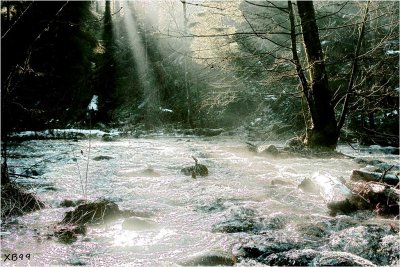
(146, 75)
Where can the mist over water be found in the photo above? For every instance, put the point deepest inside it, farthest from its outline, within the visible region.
(143, 175)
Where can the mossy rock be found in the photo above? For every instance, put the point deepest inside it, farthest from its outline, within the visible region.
(95, 212)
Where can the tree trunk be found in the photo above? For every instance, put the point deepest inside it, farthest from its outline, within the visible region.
(324, 130)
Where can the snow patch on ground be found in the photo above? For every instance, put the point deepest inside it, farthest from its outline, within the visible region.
(52, 133)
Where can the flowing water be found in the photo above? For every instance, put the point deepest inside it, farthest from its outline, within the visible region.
(143, 175)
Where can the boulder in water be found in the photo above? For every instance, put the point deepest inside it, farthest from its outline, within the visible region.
(263, 148)
(196, 170)
(210, 258)
(215, 206)
(240, 220)
(259, 247)
(367, 242)
(102, 158)
(390, 247)
(95, 212)
(309, 186)
(310, 257)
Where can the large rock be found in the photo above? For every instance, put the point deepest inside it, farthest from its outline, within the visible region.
(329, 187)
(196, 170)
(94, 212)
(239, 220)
(310, 257)
(389, 247)
(367, 242)
(308, 186)
(321, 226)
(215, 206)
(209, 258)
(261, 249)
(98, 158)
(275, 221)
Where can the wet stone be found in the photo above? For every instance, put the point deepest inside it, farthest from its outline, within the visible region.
(390, 247)
(210, 258)
(239, 220)
(335, 258)
(379, 165)
(217, 205)
(309, 186)
(197, 170)
(310, 257)
(98, 158)
(260, 251)
(95, 212)
(267, 149)
(323, 227)
(364, 241)
(275, 221)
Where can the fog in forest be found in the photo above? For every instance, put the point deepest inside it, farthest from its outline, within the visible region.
(200, 133)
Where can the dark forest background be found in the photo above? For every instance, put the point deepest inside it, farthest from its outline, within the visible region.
(57, 55)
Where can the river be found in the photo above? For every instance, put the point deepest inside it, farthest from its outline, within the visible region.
(143, 175)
